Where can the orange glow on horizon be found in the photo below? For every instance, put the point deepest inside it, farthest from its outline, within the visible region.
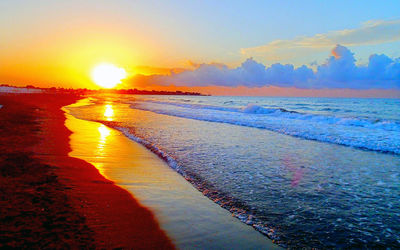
(60, 58)
(278, 91)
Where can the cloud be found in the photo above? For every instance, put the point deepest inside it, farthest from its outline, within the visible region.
(370, 33)
(339, 71)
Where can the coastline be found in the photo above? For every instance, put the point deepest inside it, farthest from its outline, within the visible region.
(189, 218)
(51, 199)
(301, 193)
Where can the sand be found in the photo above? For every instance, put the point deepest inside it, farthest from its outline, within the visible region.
(52, 200)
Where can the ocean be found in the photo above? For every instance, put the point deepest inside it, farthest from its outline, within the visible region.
(306, 172)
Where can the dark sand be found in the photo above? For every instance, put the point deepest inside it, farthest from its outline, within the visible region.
(51, 200)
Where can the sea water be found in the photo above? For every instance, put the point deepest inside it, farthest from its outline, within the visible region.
(315, 172)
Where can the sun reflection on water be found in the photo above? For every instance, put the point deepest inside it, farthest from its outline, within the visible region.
(108, 112)
(104, 133)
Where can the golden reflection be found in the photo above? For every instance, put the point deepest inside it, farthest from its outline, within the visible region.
(108, 112)
(100, 167)
(104, 133)
(91, 141)
(105, 136)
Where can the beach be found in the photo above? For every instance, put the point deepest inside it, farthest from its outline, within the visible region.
(188, 217)
(310, 172)
(130, 171)
(52, 200)
(78, 184)
(199, 124)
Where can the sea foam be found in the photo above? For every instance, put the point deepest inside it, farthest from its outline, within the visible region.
(377, 135)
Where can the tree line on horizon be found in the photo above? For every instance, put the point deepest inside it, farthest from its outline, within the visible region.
(115, 91)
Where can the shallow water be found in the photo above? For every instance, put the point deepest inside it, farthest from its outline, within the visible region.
(190, 219)
(295, 168)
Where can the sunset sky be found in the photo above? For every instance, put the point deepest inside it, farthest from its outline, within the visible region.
(348, 48)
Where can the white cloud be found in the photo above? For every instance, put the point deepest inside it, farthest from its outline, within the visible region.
(370, 33)
(338, 71)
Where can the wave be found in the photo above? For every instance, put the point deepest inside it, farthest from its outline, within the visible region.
(256, 109)
(377, 135)
(237, 208)
(157, 134)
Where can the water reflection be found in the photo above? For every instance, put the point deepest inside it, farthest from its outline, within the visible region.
(101, 149)
(108, 112)
(104, 133)
(296, 172)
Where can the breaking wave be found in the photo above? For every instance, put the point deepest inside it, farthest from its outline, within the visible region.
(371, 134)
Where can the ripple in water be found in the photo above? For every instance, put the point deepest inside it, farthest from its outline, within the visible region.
(302, 193)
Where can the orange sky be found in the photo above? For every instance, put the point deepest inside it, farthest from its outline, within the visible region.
(66, 60)
(51, 43)
(279, 91)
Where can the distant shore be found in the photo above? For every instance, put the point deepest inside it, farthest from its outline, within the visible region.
(83, 91)
(51, 200)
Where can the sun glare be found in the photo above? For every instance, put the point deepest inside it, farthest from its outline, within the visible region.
(107, 75)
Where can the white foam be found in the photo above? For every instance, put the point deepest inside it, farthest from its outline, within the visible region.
(356, 132)
(256, 109)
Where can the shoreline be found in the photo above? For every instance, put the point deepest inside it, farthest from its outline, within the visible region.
(187, 216)
(301, 189)
(88, 210)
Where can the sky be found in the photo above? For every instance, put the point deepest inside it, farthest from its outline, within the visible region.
(212, 46)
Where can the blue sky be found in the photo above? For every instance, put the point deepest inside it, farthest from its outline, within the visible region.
(71, 36)
(206, 31)
(219, 29)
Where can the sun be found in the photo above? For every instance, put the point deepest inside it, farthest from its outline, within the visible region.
(107, 75)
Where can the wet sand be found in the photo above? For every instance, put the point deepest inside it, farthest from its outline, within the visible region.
(52, 200)
(189, 218)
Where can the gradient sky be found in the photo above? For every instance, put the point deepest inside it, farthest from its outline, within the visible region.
(58, 42)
